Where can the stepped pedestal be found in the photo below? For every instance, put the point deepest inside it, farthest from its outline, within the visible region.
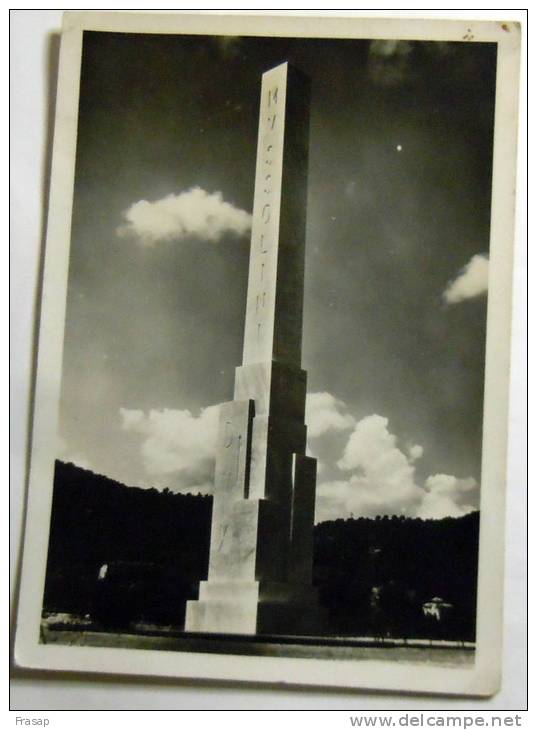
(264, 499)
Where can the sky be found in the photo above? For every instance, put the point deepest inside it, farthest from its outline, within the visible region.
(397, 244)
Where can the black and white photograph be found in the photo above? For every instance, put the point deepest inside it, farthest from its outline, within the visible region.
(269, 272)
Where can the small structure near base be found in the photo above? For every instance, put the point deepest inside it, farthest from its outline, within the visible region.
(437, 608)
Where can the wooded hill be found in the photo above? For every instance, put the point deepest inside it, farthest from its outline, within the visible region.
(373, 575)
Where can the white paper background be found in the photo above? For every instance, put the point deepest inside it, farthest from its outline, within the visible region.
(33, 79)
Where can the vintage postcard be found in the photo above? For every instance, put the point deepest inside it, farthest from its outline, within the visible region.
(270, 421)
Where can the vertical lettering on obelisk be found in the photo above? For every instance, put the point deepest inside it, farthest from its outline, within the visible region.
(264, 249)
(259, 577)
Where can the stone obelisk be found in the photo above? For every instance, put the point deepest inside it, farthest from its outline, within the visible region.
(262, 525)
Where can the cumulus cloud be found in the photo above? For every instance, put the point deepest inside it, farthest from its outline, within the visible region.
(445, 497)
(415, 452)
(373, 476)
(385, 478)
(325, 413)
(379, 478)
(472, 281)
(178, 443)
(194, 213)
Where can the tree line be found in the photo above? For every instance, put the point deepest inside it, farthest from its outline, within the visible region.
(373, 575)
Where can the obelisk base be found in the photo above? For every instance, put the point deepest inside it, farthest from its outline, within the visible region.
(248, 608)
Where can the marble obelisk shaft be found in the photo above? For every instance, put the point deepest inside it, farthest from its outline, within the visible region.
(262, 527)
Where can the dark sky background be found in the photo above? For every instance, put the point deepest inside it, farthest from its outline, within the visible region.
(398, 204)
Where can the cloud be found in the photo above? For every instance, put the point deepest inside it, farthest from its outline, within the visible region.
(178, 444)
(382, 480)
(191, 214)
(373, 475)
(385, 481)
(229, 45)
(389, 48)
(472, 281)
(175, 442)
(389, 61)
(415, 452)
(445, 497)
(325, 413)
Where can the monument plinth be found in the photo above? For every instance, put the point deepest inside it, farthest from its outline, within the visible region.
(262, 525)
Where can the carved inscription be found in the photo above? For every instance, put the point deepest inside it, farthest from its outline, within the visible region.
(232, 441)
(267, 190)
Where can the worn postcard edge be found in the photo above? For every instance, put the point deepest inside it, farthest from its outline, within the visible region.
(482, 678)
